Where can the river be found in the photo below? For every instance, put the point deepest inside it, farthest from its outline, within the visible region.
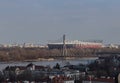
(50, 63)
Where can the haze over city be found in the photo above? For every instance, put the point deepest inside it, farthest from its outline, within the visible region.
(38, 21)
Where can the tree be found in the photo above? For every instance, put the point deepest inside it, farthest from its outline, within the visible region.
(57, 66)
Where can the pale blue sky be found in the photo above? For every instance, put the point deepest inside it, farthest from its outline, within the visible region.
(38, 21)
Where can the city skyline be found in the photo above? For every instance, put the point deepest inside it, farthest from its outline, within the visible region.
(38, 21)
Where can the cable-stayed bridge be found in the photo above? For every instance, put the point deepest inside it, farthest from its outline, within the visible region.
(69, 49)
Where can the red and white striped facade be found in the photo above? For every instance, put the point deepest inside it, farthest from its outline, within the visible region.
(78, 44)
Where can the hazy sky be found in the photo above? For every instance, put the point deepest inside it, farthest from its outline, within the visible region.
(39, 21)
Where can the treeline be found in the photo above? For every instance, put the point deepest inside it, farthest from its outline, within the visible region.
(21, 54)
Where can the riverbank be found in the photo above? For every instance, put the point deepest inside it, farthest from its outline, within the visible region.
(66, 58)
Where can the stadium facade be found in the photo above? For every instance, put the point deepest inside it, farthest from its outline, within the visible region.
(75, 44)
